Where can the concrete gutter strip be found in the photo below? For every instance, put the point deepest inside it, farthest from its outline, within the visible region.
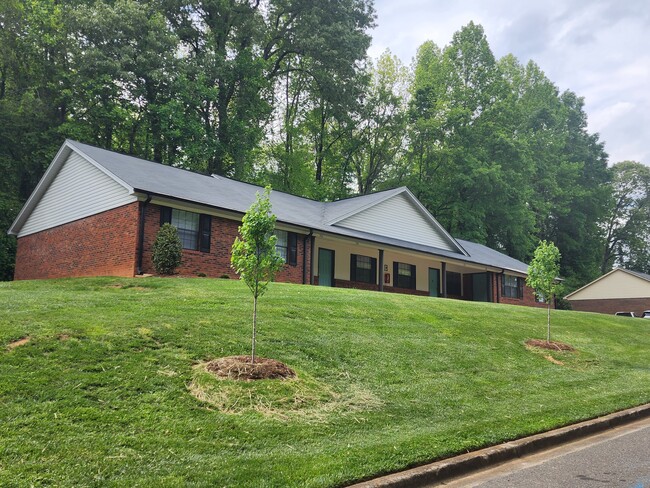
(473, 461)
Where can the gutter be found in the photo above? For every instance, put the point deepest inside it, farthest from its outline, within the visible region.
(143, 209)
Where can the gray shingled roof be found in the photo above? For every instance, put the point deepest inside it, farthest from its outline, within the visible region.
(643, 276)
(223, 193)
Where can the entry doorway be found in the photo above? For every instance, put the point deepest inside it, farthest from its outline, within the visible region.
(325, 267)
(434, 282)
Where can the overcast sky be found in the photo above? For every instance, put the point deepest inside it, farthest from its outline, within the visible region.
(599, 49)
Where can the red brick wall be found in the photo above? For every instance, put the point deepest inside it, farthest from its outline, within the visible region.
(528, 299)
(359, 285)
(613, 305)
(99, 245)
(216, 263)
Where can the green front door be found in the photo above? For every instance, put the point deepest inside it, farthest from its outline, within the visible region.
(480, 287)
(325, 267)
(434, 282)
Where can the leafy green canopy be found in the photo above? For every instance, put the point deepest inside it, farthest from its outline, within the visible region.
(543, 275)
(544, 270)
(253, 253)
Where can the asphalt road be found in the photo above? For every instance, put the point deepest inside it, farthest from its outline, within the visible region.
(618, 458)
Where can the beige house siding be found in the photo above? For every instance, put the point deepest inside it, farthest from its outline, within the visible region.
(343, 250)
(616, 284)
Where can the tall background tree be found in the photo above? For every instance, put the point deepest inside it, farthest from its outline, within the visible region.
(627, 226)
(281, 92)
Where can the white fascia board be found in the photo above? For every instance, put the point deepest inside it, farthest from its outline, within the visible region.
(213, 211)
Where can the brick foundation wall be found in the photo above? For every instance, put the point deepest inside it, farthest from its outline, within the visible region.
(355, 284)
(528, 299)
(99, 245)
(612, 305)
(216, 263)
(367, 286)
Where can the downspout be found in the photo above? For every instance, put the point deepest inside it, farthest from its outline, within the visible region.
(304, 256)
(311, 254)
(143, 209)
(500, 285)
(381, 270)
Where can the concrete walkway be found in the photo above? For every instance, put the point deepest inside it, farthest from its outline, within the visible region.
(465, 464)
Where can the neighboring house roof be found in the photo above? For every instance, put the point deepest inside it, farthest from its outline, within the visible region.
(618, 283)
(392, 217)
(643, 276)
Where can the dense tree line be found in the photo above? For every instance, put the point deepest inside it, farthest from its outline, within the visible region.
(281, 92)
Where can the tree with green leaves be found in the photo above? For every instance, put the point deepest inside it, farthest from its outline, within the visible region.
(627, 227)
(543, 274)
(253, 256)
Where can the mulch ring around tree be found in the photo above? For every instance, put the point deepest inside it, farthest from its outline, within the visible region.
(552, 345)
(240, 368)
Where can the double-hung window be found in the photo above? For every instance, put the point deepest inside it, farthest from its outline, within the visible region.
(513, 286)
(404, 275)
(286, 246)
(363, 269)
(193, 228)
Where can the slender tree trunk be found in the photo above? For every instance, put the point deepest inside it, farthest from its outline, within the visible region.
(548, 323)
(254, 328)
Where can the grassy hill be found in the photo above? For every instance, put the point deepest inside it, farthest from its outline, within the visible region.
(108, 386)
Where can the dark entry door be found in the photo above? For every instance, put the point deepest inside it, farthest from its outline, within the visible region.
(325, 267)
(434, 282)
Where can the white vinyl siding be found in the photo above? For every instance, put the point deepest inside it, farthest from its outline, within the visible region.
(78, 190)
(399, 218)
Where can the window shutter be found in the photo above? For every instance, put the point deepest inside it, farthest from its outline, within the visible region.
(395, 275)
(292, 248)
(520, 288)
(165, 215)
(205, 224)
(413, 276)
(353, 267)
(373, 270)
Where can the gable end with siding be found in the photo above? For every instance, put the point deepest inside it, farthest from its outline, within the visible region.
(397, 217)
(78, 190)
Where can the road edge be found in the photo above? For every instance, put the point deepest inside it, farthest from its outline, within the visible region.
(490, 456)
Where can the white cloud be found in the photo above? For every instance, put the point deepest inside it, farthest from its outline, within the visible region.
(596, 48)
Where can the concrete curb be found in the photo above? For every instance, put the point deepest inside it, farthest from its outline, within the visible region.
(473, 461)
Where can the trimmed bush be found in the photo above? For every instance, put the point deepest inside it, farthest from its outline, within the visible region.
(167, 250)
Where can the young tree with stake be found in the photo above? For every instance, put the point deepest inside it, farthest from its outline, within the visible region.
(254, 257)
(542, 276)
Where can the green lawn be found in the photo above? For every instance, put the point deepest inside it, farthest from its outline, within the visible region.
(105, 391)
